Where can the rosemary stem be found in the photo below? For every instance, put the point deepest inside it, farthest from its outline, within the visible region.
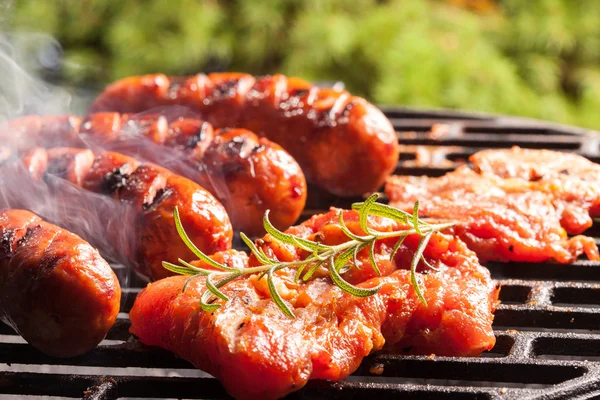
(334, 258)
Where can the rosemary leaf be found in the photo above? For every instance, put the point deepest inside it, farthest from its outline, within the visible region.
(364, 213)
(349, 288)
(357, 249)
(177, 269)
(303, 244)
(259, 256)
(312, 270)
(189, 280)
(415, 218)
(413, 266)
(383, 210)
(349, 233)
(372, 258)
(299, 273)
(213, 289)
(396, 247)
(342, 259)
(277, 297)
(428, 264)
(200, 271)
(204, 302)
(183, 235)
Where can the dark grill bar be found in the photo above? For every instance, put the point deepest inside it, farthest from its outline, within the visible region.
(547, 327)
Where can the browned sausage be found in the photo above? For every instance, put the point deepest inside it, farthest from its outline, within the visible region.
(138, 228)
(343, 143)
(55, 289)
(249, 175)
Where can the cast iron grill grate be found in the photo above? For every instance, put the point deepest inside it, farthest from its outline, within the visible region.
(547, 327)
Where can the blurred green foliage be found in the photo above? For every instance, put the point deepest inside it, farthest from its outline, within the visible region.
(538, 58)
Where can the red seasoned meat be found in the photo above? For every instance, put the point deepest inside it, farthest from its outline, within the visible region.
(259, 353)
(511, 212)
(572, 182)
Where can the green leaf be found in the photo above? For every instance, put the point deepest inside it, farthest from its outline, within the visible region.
(197, 252)
(303, 244)
(213, 289)
(207, 293)
(383, 210)
(187, 282)
(415, 218)
(299, 273)
(204, 302)
(413, 266)
(428, 264)
(357, 249)
(349, 288)
(260, 256)
(316, 254)
(363, 213)
(262, 275)
(349, 233)
(198, 270)
(372, 258)
(178, 269)
(396, 247)
(312, 270)
(277, 298)
(342, 259)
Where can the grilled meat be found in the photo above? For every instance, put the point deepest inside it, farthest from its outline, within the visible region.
(135, 206)
(571, 182)
(258, 352)
(344, 144)
(248, 175)
(505, 217)
(55, 289)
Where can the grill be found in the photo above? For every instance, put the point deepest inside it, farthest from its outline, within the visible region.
(547, 327)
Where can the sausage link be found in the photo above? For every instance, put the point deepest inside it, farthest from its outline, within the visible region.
(249, 175)
(344, 144)
(137, 224)
(55, 289)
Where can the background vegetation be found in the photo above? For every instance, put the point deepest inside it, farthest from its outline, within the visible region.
(538, 58)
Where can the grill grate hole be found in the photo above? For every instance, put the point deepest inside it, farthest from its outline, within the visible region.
(452, 370)
(576, 297)
(565, 348)
(514, 294)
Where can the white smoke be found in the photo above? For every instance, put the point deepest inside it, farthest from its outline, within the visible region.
(22, 58)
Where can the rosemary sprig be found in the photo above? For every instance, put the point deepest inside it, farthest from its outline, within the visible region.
(337, 259)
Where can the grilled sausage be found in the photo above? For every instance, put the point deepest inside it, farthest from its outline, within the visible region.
(138, 227)
(55, 289)
(344, 144)
(249, 175)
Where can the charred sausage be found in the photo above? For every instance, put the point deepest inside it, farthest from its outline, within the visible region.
(55, 289)
(249, 175)
(344, 144)
(137, 229)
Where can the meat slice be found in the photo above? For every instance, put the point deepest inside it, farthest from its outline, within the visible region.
(572, 182)
(511, 212)
(259, 353)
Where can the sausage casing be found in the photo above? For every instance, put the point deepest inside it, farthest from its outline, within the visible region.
(55, 289)
(126, 209)
(248, 174)
(344, 144)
